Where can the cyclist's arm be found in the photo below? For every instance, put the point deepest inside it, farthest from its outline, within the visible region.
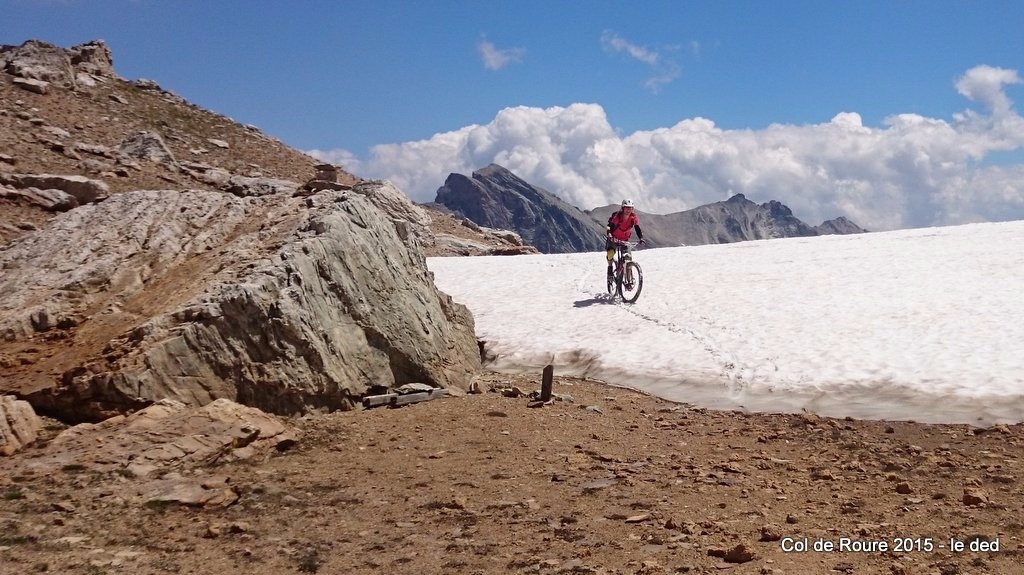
(639, 232)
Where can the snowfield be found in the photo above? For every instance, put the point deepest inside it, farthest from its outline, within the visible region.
(924, 324)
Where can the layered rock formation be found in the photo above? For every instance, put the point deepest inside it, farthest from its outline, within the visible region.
(285, 303)
(217, 282)
(495, 198)
(164, 436)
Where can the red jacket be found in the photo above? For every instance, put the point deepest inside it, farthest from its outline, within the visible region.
(621, 226)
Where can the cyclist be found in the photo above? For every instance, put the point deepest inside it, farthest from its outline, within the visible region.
(620, 228)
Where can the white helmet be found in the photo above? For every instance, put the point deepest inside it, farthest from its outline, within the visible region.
(627, 203)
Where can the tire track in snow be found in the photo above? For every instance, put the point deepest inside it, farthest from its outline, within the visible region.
(731, 369)
(725, 360)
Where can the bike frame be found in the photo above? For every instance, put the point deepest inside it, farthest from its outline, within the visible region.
(622, 256)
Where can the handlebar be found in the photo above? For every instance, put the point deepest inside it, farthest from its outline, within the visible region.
(623, 243)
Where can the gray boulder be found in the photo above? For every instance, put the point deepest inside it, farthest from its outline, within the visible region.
(166, 435)
(93, 58)
(241, 186)
(19, 425)
(37, 60)
(41, 63)
(147, 145)
(49, 200)
(284, 303)
(31, 85)
(82, 189)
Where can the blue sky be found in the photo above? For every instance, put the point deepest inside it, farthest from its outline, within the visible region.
(393, 89)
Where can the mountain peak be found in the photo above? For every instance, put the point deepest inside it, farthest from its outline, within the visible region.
(492, 169)
(496, 198)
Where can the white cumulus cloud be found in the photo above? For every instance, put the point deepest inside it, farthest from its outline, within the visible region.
(912, 171)
(985, 84)
(338, 157)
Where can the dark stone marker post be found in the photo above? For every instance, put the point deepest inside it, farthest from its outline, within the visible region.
(546, 383)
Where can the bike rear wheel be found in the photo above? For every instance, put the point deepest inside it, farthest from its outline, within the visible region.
(632, 282)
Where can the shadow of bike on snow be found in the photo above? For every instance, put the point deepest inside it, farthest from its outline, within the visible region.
(601, 299)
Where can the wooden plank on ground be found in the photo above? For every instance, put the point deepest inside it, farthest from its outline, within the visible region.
(378, 400)
(417, 397)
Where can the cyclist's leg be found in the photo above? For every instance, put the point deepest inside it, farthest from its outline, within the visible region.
(627, 255)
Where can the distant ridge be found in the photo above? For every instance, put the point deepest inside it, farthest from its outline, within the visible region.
(734, 220)
(496, 198)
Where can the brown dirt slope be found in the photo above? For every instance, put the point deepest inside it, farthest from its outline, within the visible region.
(612, 482)
(105, 114)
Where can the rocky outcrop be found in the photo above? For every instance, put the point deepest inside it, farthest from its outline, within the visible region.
(411, 221)
(734, 220)
(49, 200)
(147, 145)
(453, 235)
(56, 192)
(19, 425)
(93, 58)
(41, 61)
(167, 435)
(241, 186)
(235, 289)
(288, 304)
(36, 64)
(494, 197)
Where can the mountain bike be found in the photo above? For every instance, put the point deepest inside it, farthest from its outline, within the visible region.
(627, 279)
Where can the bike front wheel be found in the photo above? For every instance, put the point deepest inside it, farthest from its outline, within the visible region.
(632, 282)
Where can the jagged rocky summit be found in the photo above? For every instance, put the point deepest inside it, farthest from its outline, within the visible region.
(496, 198)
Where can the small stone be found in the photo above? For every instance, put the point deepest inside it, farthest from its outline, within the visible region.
(824, 474)
(598, 484)
(771, 532)
(638, 518)
(63, 507)
(739, 554)
(904, 488)
(975, 497)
